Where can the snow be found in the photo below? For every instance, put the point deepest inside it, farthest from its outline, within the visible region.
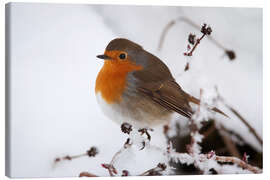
(53, 69)
(138, 159)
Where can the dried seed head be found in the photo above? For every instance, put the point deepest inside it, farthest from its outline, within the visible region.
(126, 128)
(57, 160)
(206, 30)
(209, 30)
(125, 173)
(162, 166)
(191, 38)
(92, 152)
(245, 157)
(230, 54)
(186, 67)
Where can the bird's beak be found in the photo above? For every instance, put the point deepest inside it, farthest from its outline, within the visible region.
(103, 56)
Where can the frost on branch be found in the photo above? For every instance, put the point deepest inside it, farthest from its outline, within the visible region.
(151, 160)
(138, 156)
(209, 162)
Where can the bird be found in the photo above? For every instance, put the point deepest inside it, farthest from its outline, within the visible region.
(136, 87)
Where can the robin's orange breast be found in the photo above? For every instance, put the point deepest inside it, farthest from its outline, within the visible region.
(111, 80)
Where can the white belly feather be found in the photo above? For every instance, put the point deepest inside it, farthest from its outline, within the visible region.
(120, 115)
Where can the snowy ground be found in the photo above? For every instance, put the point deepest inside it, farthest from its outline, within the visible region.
(53, 69)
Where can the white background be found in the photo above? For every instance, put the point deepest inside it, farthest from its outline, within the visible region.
(245, 4)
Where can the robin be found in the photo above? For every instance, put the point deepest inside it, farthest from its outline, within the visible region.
(136, 87)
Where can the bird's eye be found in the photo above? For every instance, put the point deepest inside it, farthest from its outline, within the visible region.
(122, 56)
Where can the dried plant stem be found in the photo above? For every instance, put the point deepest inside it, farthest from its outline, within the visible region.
(191, 23)
(190, 53)
(222, 159)
(69, 158)
(154, 171)
(209, 131)
(111, 168)
(236, 113)
(92, 152)
(164, 33)
(231, 147)
(87, 174)
(239, 162)
(251, 129)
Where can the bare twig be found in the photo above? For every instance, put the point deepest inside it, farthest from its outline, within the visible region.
(92, 152)
(155, 171)
(195, 42)
(164, 33)
(111, 169)
(251, 129)
(190, 53)
(67, 157)
(209, 131)
(229, 143)
(87, 174)
(230, 53)
(125, 128)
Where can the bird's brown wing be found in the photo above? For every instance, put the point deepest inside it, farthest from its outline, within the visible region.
(168, 95)
(156, 82)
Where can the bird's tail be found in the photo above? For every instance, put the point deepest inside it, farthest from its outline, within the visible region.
(197, 101)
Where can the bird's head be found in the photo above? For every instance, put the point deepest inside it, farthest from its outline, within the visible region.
(122, 52)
